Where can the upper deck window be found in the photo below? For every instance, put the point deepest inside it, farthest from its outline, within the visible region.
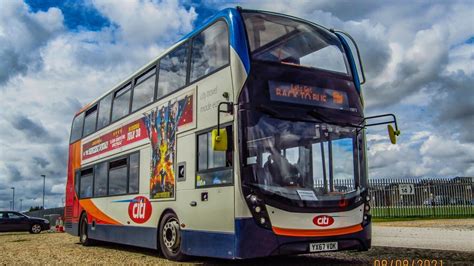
(210, 50)
(104, 111)
(121, 103)
(172, 74)
(282, 39)
(76, 131)
(90, 120)
(144, 90)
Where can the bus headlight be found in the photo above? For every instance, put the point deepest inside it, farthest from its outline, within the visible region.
(367, 207)
(259, 211)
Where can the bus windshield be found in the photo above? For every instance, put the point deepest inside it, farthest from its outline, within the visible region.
(301, 160)
(288, 41)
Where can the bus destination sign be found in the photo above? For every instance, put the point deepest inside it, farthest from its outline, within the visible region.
(308, 95)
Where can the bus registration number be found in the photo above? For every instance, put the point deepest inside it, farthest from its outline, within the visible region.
(319, 247)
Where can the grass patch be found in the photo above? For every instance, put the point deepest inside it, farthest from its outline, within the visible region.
(403, 219)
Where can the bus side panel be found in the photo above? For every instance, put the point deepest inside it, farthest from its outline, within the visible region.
(140, 236)
(208, 243)
(72, 209)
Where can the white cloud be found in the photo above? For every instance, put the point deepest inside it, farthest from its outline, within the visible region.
(76, 67)
(22, 33)
(145, 22)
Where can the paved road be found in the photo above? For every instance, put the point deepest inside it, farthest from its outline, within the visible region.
(425, 238)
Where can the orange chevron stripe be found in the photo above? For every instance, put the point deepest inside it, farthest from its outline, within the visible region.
(92, 210)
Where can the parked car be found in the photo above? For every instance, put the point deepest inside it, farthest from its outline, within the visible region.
(11, 221)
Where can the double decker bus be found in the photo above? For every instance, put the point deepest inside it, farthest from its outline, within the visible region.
(244, 139)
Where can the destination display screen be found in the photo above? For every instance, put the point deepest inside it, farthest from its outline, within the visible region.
(308, 95)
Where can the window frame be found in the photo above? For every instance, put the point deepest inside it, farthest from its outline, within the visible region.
(126, 166)
(186, 83)
(80, 181)
(191, 52)
(138, 173)
(156, 64)
(71, 141)
(215, 169)
(106, 178)
(134, 84)
(110, 111)
(128, 83)
(96, 105)
(348, 75)
(107, 162)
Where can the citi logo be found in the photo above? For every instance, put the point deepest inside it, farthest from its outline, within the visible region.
(139, 209)
(323, 220)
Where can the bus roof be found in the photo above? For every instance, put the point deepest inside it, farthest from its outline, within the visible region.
(236, 41)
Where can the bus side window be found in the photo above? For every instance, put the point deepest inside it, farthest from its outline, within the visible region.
(100, 180)
(90, 120)
(104, 111)
(210, 50)
(77, 176)
(144, 89)
(76, 131)
(134, 178)
(87, 183)
(121, 103)
(118, 177)
(172, 74)
(214, 167)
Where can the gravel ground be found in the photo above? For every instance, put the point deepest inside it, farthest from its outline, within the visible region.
(61, 248)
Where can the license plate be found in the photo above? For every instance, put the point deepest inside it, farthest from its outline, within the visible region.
(319, 247)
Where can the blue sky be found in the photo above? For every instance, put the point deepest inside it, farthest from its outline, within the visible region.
(59, 55)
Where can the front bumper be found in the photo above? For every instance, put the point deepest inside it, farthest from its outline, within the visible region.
(254, 241)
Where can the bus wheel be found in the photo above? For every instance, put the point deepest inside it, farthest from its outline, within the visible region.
(170, 237)
(83, 233)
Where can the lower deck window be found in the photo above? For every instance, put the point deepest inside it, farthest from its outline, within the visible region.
(214, 167)
(118, 177)
(87, 183)
(110, 178)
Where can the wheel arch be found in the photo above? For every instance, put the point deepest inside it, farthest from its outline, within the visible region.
(83, 212)
(163, 213)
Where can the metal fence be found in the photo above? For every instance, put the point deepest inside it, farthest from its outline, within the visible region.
(394, 198)
(437, 197)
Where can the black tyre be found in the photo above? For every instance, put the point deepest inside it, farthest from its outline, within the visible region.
(83, 232)
(35, 229)
(170, 238)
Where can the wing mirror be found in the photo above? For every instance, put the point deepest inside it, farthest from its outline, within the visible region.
(392, 133)
(219, 139)
(219, 135)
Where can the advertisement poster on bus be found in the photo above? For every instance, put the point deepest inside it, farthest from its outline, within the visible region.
(115, 139)
(162, 124)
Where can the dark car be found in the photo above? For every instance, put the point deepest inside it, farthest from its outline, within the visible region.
(14, 222)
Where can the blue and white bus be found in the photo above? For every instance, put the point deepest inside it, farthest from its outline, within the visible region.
(244, 139)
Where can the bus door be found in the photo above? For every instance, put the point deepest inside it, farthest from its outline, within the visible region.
(207, 198)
